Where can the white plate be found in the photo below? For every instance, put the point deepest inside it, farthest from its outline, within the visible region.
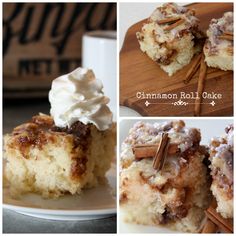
(99, 202)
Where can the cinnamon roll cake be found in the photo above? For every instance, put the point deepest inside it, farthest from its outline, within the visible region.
(218, 48)
(170, 37)
(163, 177)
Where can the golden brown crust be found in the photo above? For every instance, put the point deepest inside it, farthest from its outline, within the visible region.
(41, 130)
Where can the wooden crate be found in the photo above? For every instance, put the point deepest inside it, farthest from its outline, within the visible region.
(43, 41)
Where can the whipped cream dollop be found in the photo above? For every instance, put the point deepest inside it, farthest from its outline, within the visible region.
(78, 96)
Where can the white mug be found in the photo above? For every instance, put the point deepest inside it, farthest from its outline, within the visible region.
(99, 54)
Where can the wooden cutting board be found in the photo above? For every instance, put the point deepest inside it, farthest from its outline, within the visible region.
(139, 74)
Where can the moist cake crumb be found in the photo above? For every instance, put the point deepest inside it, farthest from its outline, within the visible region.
(52, 161)
(221, 157)
(177, 195)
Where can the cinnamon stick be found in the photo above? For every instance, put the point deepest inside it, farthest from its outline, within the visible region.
(149, 150)
(209, 227)
(226, 37)
(172, 26)
(161, 153)
(168, 20)
(194, 67)
(229, 33)
(200, 88)
(230, 50)
(224, 224)
(145, 151)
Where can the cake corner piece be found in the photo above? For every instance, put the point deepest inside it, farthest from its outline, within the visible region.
(218, 48)
(169, 30)
(175, 196)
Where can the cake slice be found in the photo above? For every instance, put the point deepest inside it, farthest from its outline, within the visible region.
(176, 193)
(49, 160)
(218, 48)
(69, 150)
(221, 156)
(170, 37)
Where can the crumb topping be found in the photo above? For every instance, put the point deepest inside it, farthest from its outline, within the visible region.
(170, 10)
(33, 132)
(147, 133)
(221, 156)
(41, 130)
(217, 28)
(167, 23)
